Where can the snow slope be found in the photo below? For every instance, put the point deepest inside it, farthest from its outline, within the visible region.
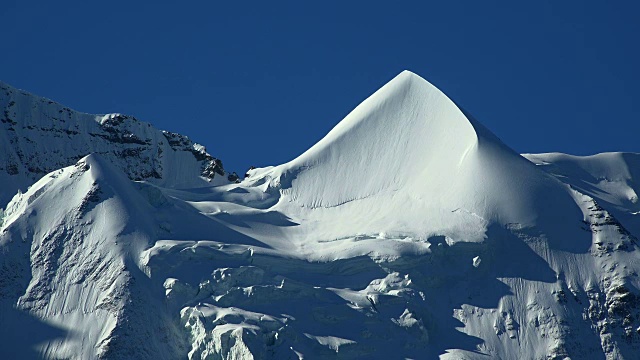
(408, 160)
(608, 177)
(409, 231)
(38, 136)
(84, 276)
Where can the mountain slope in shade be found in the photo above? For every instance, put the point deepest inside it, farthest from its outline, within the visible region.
(409, 231)
(38, 136)
(84, 276)
(611, 178)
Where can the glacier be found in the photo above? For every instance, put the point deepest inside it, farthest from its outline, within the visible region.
(409, 231)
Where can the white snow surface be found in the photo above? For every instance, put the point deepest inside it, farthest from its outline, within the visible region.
(435, 170)
(39, 135)
(409, 231)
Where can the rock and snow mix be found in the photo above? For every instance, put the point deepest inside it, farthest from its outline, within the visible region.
(409, 231)
(38, 136)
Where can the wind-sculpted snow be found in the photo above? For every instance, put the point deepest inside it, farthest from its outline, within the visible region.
(409, 231)
(38, 136)
(407, 153)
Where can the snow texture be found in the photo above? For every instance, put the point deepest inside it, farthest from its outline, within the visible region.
(409, 231)
(38, 136)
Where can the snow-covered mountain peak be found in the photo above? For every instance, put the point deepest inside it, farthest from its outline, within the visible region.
(38, 135)
(409, 231)
(412, 148)
(407, 107)
(96, 263)
(97, 166)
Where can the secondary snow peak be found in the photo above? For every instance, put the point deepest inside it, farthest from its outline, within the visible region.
(38, 135)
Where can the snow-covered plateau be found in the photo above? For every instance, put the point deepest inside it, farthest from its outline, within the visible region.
(410, 231)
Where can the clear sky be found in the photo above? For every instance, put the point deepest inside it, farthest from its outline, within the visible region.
(260, 82)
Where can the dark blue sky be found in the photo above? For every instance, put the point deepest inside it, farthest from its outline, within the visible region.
(259, 83)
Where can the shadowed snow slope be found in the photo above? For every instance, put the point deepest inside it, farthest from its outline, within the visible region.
(38, 135)
(610, 178)
(84, 261)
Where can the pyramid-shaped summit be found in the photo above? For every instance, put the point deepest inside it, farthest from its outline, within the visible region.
(410, 147)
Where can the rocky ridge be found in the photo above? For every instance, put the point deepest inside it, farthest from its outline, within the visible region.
(38, 135)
